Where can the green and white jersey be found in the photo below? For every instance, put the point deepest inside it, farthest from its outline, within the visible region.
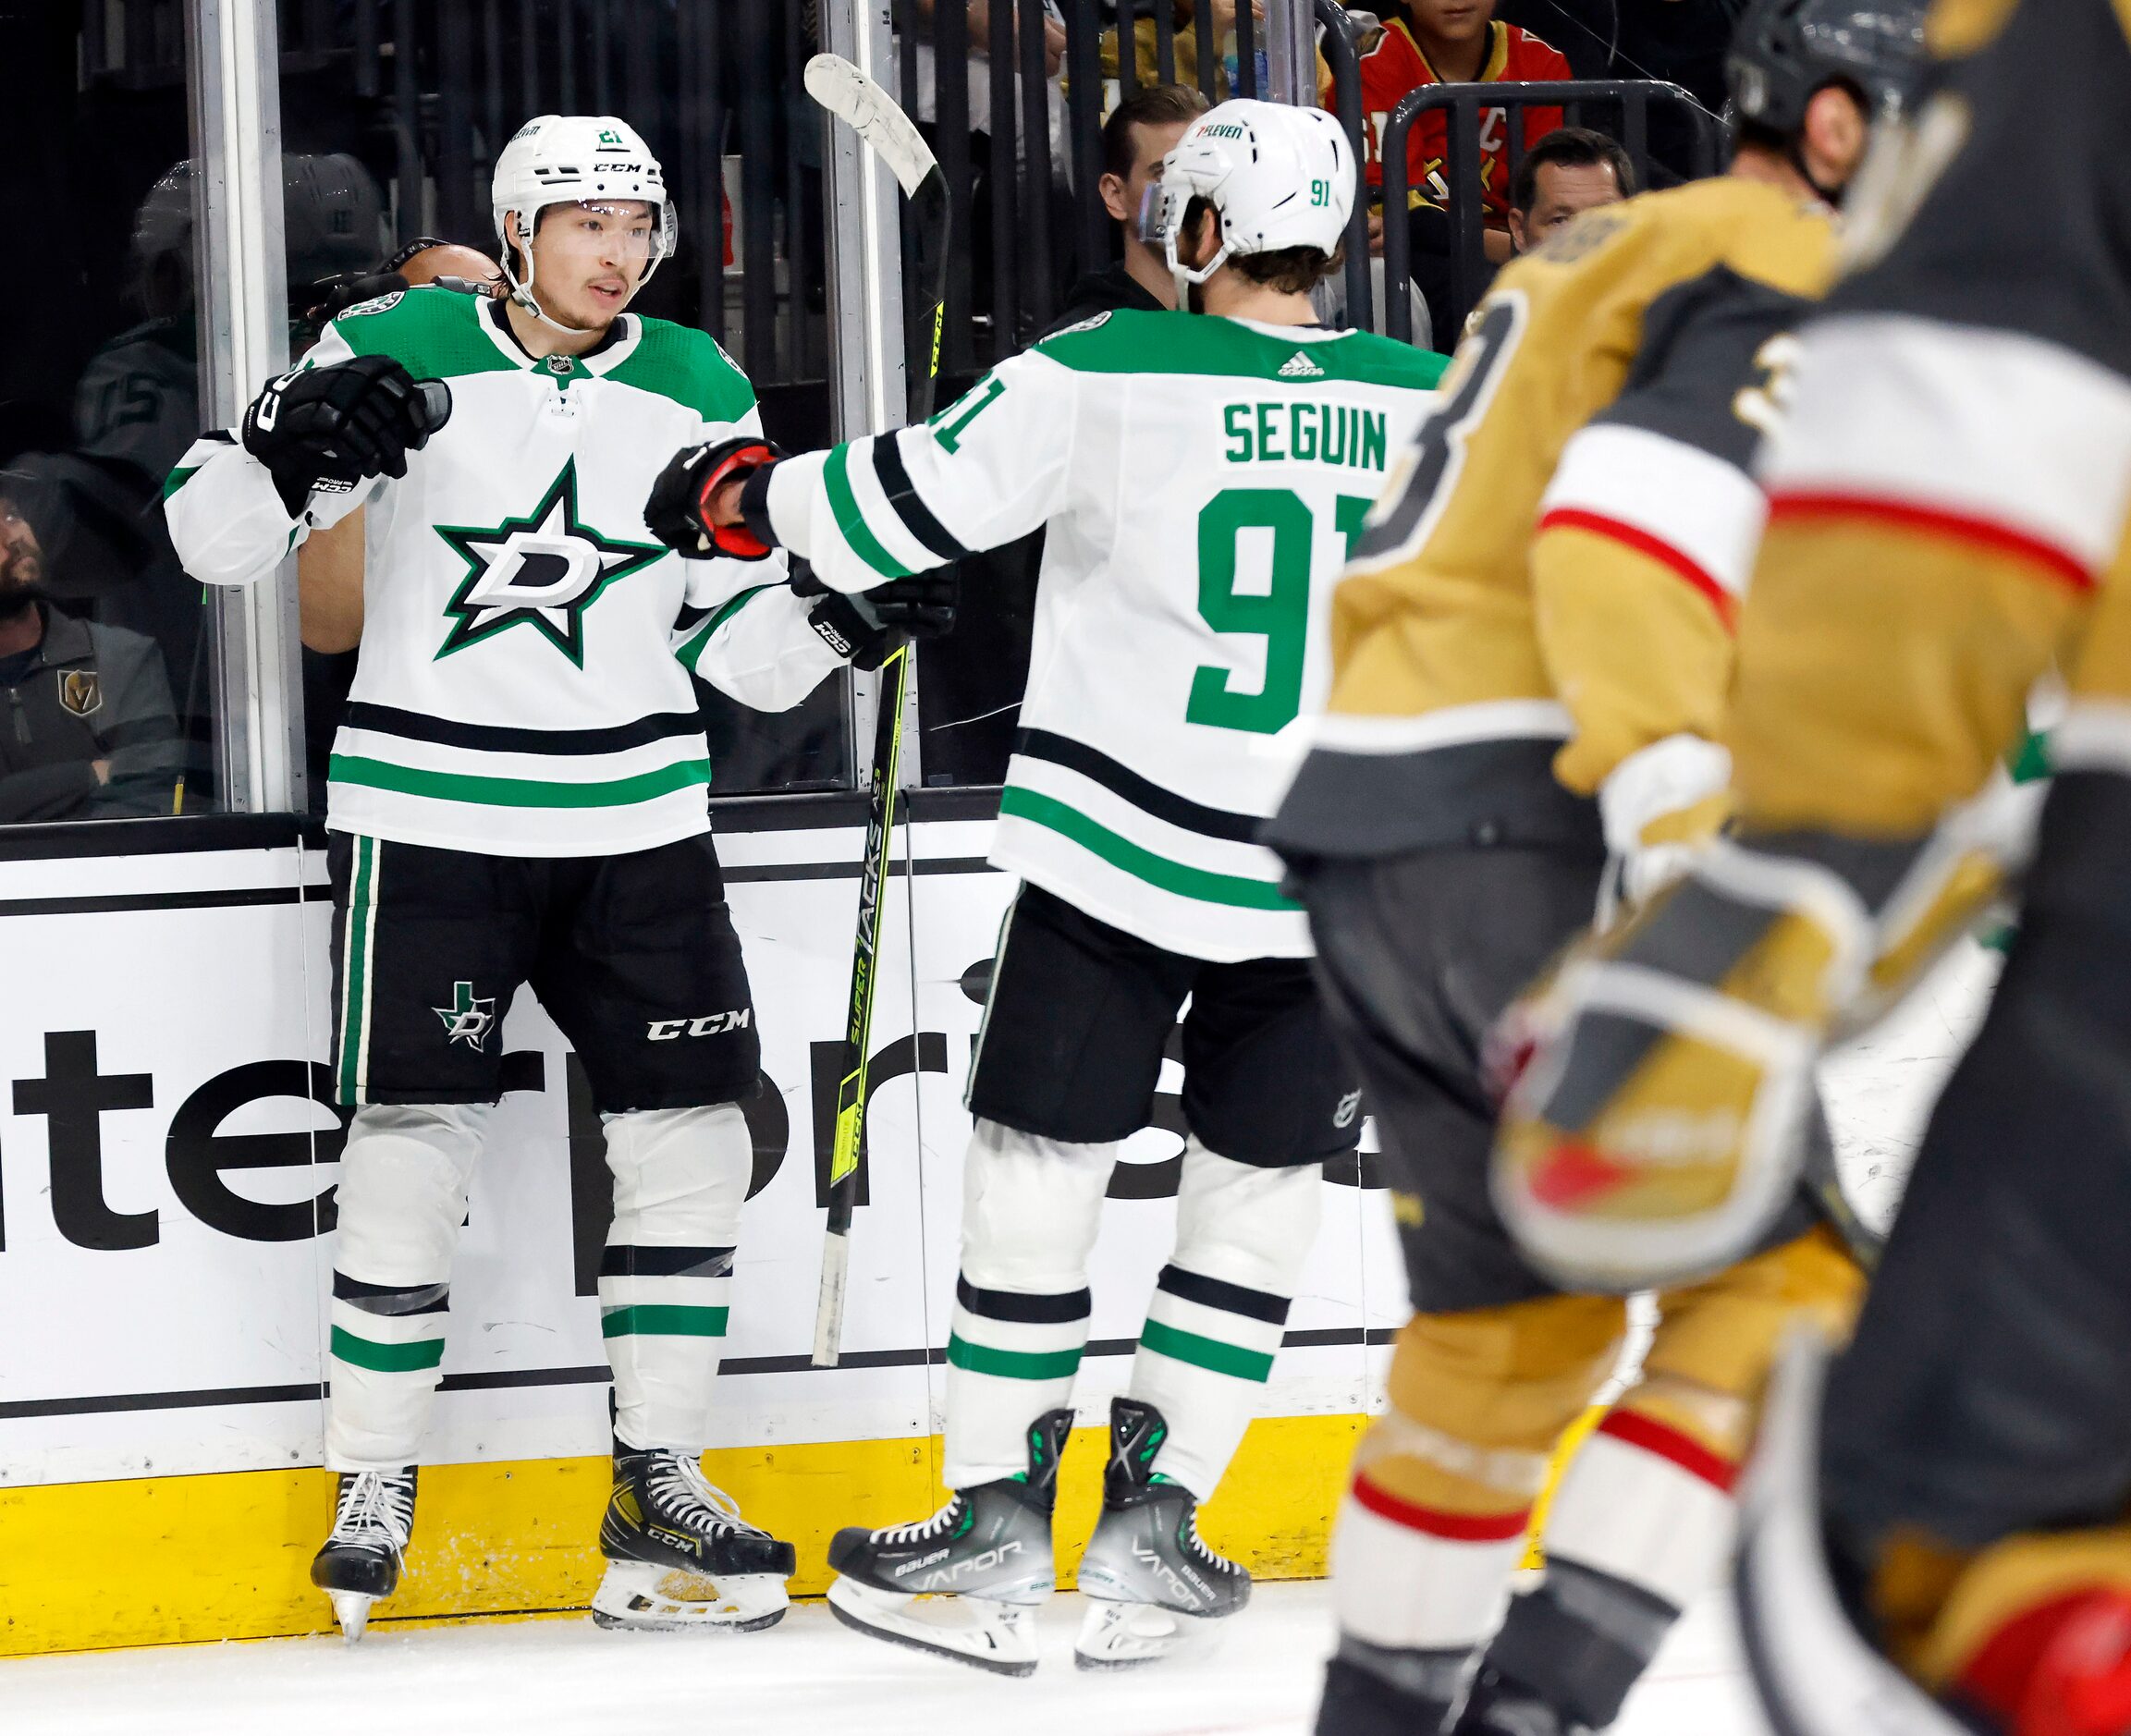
(520, 690)
(1202, 479)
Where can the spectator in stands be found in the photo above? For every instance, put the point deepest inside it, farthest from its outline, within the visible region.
(1419, 42)
(90, 732)
(1569, 171)
(1140, 132)
(1185, 43)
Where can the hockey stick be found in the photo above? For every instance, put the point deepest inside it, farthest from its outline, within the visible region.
(853, 98)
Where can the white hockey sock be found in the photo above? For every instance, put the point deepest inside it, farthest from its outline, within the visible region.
(401, 1199)
(1220, 1306)
(1410, 1579)
(665, 1277)
(1644, 1503)
(1031, 1208)
(1639, 1527)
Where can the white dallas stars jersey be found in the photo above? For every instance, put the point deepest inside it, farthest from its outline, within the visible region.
(520, 690)
(1202, 479)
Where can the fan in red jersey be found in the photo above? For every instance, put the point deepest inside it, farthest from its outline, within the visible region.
(1451, 41)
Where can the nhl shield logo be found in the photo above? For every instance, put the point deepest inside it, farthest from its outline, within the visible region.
(80, 691)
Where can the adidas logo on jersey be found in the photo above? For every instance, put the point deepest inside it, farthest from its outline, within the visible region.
(1299, 366)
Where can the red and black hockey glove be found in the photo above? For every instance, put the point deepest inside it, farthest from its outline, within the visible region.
(678, 510)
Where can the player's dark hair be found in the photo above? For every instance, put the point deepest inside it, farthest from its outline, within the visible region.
(1150, 106)
(1570, 148)
(1289, 270)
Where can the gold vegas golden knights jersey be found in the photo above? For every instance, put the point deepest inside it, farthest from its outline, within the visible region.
(1548, 580)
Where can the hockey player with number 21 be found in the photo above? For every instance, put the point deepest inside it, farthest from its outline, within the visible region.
(1201, 475)
(518, 797)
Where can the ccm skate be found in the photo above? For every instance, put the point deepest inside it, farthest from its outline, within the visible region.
(678, 1555)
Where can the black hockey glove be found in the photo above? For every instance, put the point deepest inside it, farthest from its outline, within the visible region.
(865, 625)
(332, 429)
(678, 513)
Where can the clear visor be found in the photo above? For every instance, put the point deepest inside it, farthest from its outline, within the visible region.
(628, 229)
(1162, 212)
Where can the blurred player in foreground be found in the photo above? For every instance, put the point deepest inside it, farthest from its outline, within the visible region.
(1948, 522)
(1534, 645)
(1202, 474)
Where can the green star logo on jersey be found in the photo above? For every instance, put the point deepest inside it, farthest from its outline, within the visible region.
(544, 571)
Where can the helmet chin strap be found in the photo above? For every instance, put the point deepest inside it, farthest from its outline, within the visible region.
(521, 294)
(1185, 277)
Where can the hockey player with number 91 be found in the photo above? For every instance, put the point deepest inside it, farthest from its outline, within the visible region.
(518, 798)
(1201, 475)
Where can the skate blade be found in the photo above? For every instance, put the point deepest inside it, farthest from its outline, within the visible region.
(652, 1599)
(351, 1609)
(990, 1635)
(1127, 1636)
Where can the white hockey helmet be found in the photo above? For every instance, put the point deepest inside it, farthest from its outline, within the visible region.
(1280, 176)
(573, 159)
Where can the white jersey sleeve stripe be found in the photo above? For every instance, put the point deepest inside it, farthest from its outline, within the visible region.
(865, 534)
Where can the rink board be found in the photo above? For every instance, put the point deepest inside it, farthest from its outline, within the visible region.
(167, 1160)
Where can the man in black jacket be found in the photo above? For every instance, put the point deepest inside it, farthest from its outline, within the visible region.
(89, 731)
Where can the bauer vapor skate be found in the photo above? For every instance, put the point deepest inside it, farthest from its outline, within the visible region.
(372, 1519)
(989, 1546)
(1146, 1575)
(678, 1555)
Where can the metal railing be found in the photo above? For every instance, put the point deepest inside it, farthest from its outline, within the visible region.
(1467, 105)
(1022, 157)
(1340, 47)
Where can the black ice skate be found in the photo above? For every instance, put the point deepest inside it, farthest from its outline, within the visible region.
(360, 1563)
(1146, 1574)
(989, 1546)
(678, 1555)
(1497, 1704)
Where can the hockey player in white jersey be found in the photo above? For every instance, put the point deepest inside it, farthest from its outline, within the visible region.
(519, 797)
(1201, 475)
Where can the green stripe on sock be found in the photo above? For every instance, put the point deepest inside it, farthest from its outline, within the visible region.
(1140, 862)
(982, 1359)
(388, 1359)
(663, 1319)
(836, 476)
(1188, 1347)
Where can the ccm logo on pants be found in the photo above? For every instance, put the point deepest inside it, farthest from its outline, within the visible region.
(709, 1025)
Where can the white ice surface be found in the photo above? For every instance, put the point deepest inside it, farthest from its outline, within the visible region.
(1258, 1675)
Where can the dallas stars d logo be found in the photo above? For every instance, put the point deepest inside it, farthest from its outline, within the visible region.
(466, 1020)
(545, 569)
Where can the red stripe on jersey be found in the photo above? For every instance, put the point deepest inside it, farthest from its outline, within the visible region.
(1668, 1442)
(1657, 548)
(2058, 562)
(1453, 1527)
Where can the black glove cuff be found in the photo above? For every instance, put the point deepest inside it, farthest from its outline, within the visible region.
(754, 506)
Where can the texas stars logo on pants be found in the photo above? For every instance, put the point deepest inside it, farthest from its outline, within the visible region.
(467, 1021)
